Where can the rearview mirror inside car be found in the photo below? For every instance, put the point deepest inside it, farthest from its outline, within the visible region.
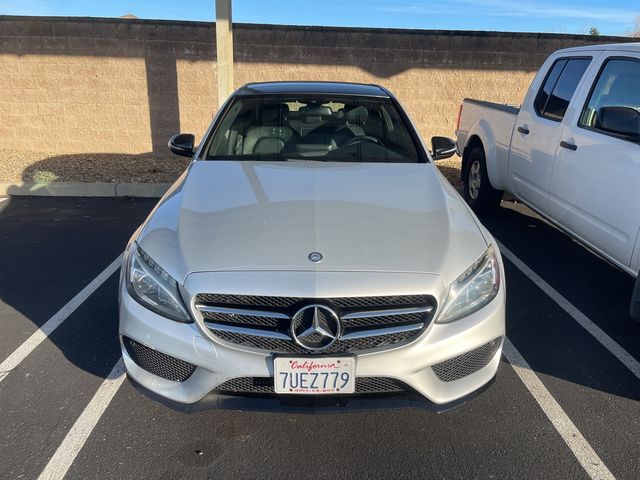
(182, 144)
(442, 147)
(621, 120)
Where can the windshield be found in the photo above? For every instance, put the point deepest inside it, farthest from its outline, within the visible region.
(312, 127)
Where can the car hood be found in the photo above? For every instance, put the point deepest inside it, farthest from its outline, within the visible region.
(378, 217)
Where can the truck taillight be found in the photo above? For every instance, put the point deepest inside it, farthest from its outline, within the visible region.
(459, 117)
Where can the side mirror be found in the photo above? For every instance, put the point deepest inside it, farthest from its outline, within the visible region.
(621, 120)
(442, 147)
(182, 144)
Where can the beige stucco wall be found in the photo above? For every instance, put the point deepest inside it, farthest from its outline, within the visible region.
(124, 86)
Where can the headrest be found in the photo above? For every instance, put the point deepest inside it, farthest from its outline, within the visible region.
(315, 110)
(270, 114)
(625, 82)
(357, 114)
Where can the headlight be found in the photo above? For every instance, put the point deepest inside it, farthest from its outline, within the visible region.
(154, 288)
(472, 290)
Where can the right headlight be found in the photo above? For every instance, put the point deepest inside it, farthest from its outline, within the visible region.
(150, 285)
(472, 290)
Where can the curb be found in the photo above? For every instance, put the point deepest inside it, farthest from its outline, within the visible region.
(67, 189)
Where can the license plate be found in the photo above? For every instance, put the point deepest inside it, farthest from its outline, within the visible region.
(318, 376)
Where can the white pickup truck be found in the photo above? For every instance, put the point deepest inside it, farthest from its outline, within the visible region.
(571, 152)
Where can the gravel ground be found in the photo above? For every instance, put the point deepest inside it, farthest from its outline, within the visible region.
(450, 168)
(42, 167)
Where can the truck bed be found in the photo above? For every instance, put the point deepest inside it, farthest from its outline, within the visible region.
(493, 124)
(512, 109)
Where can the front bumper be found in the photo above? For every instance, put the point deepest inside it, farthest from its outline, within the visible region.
(216, 362)
(310, 404)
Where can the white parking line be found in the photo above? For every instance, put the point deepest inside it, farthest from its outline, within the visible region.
(29, 345)
(68, 450)
(607, 342)
(584, 453)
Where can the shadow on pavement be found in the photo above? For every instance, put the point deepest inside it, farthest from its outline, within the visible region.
(50, 249)
(552, 341)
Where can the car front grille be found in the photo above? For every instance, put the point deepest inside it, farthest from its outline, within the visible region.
(158, 363)
(264, 385)
(291, 302)
(470, 362)
(263, 322)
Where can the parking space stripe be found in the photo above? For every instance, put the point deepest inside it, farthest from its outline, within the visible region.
(68, 450)
(607, 342)
(29, 345)
(584, 453)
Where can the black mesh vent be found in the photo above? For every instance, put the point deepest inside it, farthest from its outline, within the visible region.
(459, 367)
(379, 385)
(368, 343)
(247, 385)
(159, 364)
(264, 343)
(384, 321)
(264, 385)
(247, 301)
(287, 303)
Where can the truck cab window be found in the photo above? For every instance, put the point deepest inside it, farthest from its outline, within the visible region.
(558, 88)
(613, 106)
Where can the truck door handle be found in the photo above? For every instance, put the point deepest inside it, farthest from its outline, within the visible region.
(523, 130)
(570, 146)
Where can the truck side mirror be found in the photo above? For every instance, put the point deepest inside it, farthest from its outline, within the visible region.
(182, 144)
(442, 147)
(621, 120)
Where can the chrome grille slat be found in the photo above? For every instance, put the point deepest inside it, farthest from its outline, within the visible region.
(241, 311)
(263, 322)
(387, 313)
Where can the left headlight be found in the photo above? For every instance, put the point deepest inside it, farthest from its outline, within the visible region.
(154, 288)
(472, 290)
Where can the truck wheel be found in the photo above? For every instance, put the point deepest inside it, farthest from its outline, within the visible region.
(634, 308)
(478, 192)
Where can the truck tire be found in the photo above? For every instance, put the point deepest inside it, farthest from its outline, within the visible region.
(634, 308)
(478, 192)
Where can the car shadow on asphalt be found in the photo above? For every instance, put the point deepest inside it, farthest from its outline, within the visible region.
(50, 249)
(549, 338)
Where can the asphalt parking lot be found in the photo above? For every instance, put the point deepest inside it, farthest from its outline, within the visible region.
(565, 403)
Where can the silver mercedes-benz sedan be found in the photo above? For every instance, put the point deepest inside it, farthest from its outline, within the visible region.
(312, 255)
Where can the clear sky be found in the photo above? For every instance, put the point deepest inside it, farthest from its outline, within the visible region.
(614, 17)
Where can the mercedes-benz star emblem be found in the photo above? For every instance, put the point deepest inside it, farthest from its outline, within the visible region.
(315, 327)
(315, 257)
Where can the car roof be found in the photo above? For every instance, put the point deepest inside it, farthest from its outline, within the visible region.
(623, 47)
(331, 88)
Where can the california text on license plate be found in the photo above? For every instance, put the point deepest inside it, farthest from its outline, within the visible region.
(317, 376)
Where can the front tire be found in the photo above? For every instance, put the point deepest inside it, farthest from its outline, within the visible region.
(478, 192)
